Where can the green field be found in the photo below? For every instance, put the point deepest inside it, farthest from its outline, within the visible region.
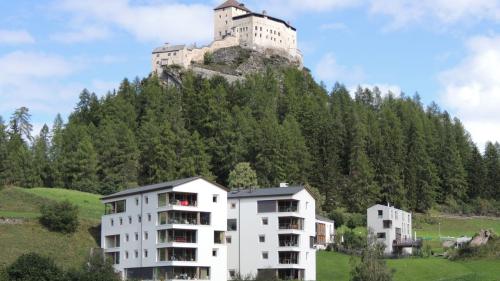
(336, 267)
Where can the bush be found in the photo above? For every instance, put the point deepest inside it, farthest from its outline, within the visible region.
(208, 58)
(353, 241)
(60, 217)
(96, 269)
(338, 217)
(354, 220)
(33, 267)
(372, 266)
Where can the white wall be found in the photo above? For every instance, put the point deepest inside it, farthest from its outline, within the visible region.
(399, 218)
(245, 251)
(205, 236)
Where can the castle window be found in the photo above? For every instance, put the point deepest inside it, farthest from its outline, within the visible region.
(256, 28)
(255, 34)
(261, 28)
(279, 34)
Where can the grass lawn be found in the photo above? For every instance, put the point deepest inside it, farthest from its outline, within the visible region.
(336, 267)
(25, 202)
(457, 227)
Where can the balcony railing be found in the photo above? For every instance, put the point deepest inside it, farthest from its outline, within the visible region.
(288, 240)
(176, 254)
(288, 258)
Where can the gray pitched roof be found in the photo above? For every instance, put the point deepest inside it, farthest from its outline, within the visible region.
(321, 218)
(149, 188)
(232, 3)
(251, 14)
(263, 192)
(168, 48)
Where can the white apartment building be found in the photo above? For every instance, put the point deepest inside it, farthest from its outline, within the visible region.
(167, 231)
(272, 229)
(325, 232)
(392, 227)
(235, 25)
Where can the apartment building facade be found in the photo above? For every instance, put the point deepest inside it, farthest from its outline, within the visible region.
(392, 227)
(325, 232)
(168, 231)
(272, 229)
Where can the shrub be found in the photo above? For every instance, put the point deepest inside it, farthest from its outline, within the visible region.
(96, 269)
(208, 58)
(371, 266)
(33, 267)
(60, 217)
(338, 217)
(353, 241)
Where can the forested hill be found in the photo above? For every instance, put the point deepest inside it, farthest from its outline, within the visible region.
(356, 149)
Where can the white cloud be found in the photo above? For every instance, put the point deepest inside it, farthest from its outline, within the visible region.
(36, 80)
(330, 71)
(290, 8)
(85, 34)
(472, 88)
(147, 21)
(16, 37)
(337, 26)
(440, 12)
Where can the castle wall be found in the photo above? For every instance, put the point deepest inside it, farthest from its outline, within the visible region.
(223, 21)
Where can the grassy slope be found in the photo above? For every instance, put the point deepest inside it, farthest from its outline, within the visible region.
(68, 250)
(335, 266)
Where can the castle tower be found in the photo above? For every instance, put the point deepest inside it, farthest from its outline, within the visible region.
(223, 17)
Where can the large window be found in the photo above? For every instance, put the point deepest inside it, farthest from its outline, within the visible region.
(266, 206)
(115, 207)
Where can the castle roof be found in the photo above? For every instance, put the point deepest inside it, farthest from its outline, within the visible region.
(168, 48)
(265, 16)
(234, 4)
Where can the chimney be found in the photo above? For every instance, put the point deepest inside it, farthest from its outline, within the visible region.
(264, 12)
(283, 184)
(167, 44)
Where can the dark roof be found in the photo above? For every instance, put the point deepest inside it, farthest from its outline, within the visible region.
(154, 187)
(168, 48)
(265, 16)
(232, 3)
(320, 218)
(263, 192)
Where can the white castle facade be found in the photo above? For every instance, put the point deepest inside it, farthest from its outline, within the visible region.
(235, 25)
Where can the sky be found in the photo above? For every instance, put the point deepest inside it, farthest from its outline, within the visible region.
(446, 50)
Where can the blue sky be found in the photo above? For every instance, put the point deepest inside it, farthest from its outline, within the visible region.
(446, 50)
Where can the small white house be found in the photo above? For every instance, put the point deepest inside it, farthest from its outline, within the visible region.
(392, 227)
(167, 231)
(272, 229)
(325, 232)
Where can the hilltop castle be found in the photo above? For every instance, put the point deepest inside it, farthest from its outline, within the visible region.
(235, 25)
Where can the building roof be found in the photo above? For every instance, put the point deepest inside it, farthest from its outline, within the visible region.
(234, 4)
(168, 48)
(265, 192)
(321, 218)
(386, 206)
(154, 187)
(265, 16)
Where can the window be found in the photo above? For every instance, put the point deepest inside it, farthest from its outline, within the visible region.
(136, 236)
(228, 240)
(214, 252)
(146, 236)
(262, 238)
(130, 219)
(149, 217)
(307, 203)
(380, 214)
(146, 253)
(115, 207)
(137, 199)
(121, 221)
(218, 237)
(112, 222)
(147, 198)
(265, 221)
(127, 237)
(265, 255)
(126, 254)
(381, 235)
(311, 242)
(214, 198)
(233, 205)
(387, 223)
(232, 225)
(232, 273)
(139, 218)
(266, 206)
(136, 254)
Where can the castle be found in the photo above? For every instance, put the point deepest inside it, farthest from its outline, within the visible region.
(235, 25)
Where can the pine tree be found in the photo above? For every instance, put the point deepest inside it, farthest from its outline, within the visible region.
(42, 165)
(3, 152)
(194, 158)
(56, 153)
(476, 173)
(243, 176)
(492, 166)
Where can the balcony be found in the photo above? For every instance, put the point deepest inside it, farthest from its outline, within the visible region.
(288, 206)
(115, 207)
(176, 236)
(177, 254)
(183, 217)
(182, 273)
(291, 223)
(288, 240)
(290, 274)
(112, 241)
(219, 237)
(177, 199)
(288, 257)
